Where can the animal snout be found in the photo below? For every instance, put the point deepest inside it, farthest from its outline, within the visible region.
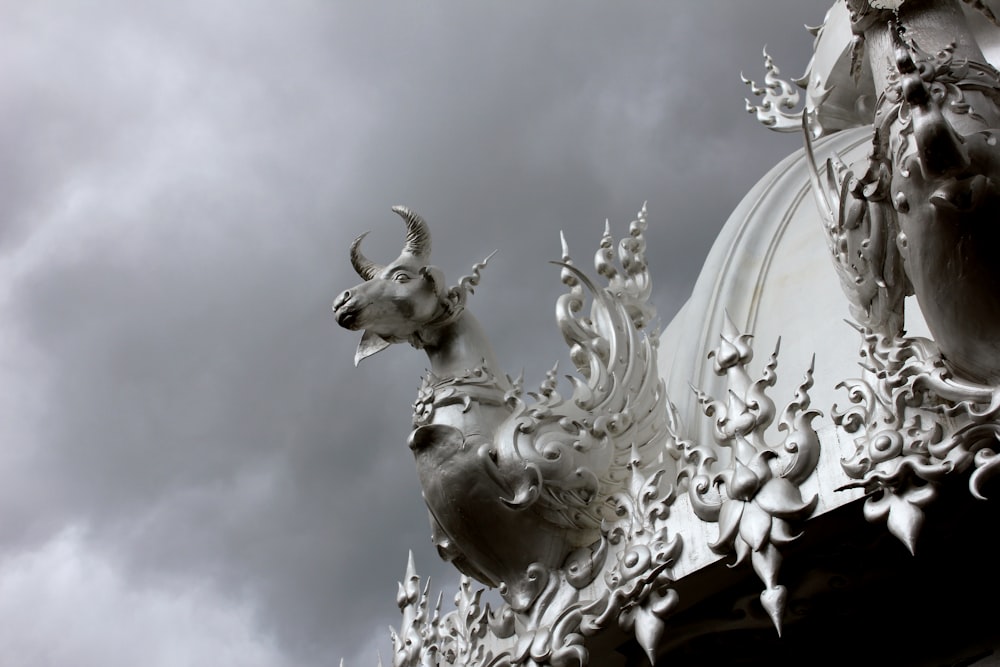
(345, 314)
(342, 299)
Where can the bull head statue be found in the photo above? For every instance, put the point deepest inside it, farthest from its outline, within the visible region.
(405, 300)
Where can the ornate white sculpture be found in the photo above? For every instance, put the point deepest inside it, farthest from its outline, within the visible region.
(916, 217)
(589, 511)
(541, 470)
(562, 504)
(756, 495)
(915, 424)
(919, 218)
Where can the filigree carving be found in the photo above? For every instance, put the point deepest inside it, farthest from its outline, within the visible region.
(639, 582)
(862, 239)
(634, 592)
(821, 101)
(755, 497)
(914, 423)
(779, 98)
(428, 638)
(917, 218)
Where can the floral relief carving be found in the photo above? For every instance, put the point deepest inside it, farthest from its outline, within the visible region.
(755, 498)
(914, 423)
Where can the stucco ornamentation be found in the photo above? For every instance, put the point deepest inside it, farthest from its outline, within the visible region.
(914, 423)
(779, 99)
(529, 492)
(633, 592)
(916, 217)
(755, 497)
(572, 503)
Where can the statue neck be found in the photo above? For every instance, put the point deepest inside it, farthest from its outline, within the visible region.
(460, 346)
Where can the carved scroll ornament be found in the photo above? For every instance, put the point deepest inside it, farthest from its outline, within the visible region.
(755, 498)
(914, 423)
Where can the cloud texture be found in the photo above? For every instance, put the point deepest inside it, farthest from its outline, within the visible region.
(192, 472)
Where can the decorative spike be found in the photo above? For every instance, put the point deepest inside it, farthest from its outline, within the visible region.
(411, 568)
(773, 600)
(649, 630)
(779, 97)
(748, 500)
(469, 282)
(604, 256)
(568, 277)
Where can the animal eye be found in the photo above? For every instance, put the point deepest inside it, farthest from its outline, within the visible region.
(401, 277)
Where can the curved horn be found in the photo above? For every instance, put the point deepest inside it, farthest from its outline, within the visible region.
(418, 237)
(365, 268)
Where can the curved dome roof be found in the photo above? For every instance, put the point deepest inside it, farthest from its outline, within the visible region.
(770, 269)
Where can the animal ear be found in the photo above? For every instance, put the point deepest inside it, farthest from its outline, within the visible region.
(369, 345)
(435, 277)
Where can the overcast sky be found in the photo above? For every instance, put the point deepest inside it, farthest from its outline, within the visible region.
(192, 472)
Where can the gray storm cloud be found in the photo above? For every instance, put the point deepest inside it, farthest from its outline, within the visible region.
(181, 181)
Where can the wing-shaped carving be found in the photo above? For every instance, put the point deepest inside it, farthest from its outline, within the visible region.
(578, 448)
